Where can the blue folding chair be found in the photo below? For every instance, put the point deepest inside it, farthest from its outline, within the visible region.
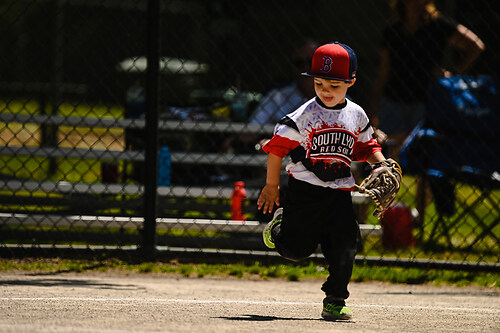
(457, 142)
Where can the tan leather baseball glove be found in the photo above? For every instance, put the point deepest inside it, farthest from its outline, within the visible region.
(382, 184)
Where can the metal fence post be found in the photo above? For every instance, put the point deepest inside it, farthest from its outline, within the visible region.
(151, 151)
(49, 132)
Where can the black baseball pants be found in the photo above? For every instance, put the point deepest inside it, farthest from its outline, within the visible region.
(315, 215)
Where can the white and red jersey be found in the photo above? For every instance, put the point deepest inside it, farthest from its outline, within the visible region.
(322, 142)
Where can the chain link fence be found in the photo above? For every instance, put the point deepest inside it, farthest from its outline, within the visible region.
(85, 124)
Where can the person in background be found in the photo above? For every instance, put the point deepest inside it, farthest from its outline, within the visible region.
(278, 102)
(281, 101)
(412, 54)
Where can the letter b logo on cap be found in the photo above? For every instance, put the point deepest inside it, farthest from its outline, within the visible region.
(323, 66)
(327, 64)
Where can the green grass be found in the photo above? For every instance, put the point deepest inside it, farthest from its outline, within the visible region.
(361, 273)
(68, 169)
(420, 276)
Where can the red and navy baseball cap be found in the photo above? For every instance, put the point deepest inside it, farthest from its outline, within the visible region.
(334, 61)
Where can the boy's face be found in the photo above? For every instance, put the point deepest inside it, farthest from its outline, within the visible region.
(331, 92)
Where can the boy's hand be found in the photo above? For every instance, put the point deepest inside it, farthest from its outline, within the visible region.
(269, 196)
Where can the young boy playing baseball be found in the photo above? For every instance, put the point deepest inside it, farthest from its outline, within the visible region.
(322, 137)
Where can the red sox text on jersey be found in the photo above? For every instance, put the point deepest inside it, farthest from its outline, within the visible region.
(330, 143)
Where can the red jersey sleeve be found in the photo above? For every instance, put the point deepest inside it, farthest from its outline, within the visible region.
(280, 146)
(364, 149)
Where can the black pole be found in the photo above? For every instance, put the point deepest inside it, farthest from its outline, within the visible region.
(151, 158)
(49, 132)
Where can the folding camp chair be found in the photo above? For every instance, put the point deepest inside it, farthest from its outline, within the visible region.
(458, 143)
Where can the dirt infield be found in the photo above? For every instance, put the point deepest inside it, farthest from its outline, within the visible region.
(99, 302)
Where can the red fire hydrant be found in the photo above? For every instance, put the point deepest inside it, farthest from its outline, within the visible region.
(238, 202)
